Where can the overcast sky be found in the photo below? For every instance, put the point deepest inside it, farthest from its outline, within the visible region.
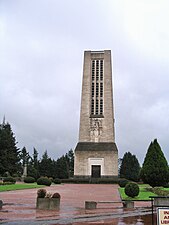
(42, 43)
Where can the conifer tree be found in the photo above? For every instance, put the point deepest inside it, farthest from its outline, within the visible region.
(130, 167)
(24, 155)
(62, 168)
(46, 165)
(70, 156)
(35, 158)
(155, 171)
(9, 153)
(33, 165)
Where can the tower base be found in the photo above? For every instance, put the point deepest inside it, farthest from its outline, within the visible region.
(96, 160)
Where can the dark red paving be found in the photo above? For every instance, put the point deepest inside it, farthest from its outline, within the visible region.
(21, 205)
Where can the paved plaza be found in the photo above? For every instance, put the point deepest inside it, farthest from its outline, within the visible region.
(20, 206)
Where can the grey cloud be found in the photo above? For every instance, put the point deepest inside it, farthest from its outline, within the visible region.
(41, 59)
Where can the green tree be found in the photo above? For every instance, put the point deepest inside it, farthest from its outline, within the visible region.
(65, 165)
(155, 171)
(62, 168)
(24, 156)
(130, 167)
(35, 159)
(46, 165)
(33, 165)
(9, 153)
(70, 158)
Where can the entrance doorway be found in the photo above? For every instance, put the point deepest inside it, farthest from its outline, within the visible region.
(96, 171)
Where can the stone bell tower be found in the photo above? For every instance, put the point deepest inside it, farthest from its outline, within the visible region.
(96, 154)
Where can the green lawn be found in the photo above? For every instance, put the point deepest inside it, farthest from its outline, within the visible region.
(143, 194)
(13, 187)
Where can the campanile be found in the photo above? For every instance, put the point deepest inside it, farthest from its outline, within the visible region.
(96, 154)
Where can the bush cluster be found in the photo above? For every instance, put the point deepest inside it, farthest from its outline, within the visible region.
(122, 182)
(57, 181)
(9, 180)
(44, 181)
(6, 183)
(90, 181)
(29, 179)
(158, 191)
(132, 189)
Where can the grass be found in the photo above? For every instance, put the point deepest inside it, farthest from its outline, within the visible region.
(13, 187)
(143, 194)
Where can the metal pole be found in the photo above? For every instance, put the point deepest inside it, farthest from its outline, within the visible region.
(152, 213)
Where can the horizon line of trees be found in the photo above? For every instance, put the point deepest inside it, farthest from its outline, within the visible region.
(13, 160)
(154, 171)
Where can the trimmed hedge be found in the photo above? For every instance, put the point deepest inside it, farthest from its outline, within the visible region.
(90, 181)
(158, 191)
(9, 180)
(57, 181)
(44, 181)
(123, 182)
(132, 189)
(29, 180)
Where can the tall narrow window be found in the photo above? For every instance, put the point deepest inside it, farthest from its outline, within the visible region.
(101, 70)
(97, 87)
(92, 89)
(101, 106)
(93, 70)
(101, 90)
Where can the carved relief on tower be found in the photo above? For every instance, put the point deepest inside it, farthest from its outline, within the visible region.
(95, 129)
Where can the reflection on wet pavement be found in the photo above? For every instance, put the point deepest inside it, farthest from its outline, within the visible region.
(19, 207)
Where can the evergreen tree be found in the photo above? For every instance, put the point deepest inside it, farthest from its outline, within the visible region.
(130, 167)
(24, 156)
(62, 168)
(155, 169)
(9, 153)
(71, 162)
(31, 162)
(35, 158)
(65, 165)
(46, 165)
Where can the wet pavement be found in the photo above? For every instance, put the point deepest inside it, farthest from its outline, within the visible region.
(20, 207)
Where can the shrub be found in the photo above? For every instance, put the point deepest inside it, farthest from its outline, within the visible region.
(56, 195)
(88, 181)
(57, 181)
(6, 183)
(159, 191)
(41, 193)
(48, 195)
(131, 189)
(29, 179)
(9, 180)
(44, 181)
(166, 185)
(123, 182)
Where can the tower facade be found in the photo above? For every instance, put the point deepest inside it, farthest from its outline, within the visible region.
(96, 154)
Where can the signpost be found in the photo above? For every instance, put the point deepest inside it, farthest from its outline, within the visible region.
(162, 216)
(162, 205)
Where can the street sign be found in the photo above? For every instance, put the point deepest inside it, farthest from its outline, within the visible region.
(162, 216)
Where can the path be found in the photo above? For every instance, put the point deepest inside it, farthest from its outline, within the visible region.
(20, 205)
